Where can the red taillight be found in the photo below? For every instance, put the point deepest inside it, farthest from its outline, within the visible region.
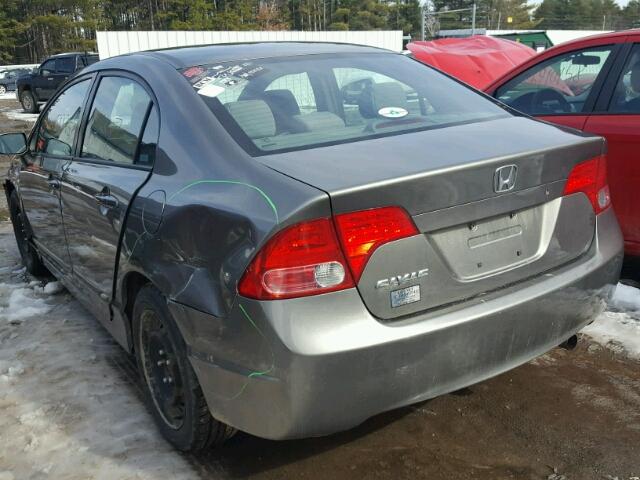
(590, 178)
(306, 258)
(303, 259)
(362, 232)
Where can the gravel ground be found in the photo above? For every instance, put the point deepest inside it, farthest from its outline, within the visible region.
(567, 415)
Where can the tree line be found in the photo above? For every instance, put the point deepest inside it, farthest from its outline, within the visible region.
(30, 30)
(547, 15)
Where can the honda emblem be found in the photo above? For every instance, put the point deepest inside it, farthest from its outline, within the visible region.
(504, 179)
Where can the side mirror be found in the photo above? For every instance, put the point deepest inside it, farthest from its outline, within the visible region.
(57, 147)
(12, 143)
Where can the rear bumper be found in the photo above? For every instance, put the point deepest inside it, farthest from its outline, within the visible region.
(324, 364)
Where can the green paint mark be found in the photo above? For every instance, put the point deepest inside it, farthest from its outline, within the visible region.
(256, 373)
(230, 182)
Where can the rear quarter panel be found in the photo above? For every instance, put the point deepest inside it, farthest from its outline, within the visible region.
(207, 207)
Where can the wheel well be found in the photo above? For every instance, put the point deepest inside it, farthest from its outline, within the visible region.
(132, 285)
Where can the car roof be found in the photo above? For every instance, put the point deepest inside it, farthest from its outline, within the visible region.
(69, 54)
(603, 36)
(183, 57)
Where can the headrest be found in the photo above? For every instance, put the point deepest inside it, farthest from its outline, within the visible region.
(380, 95)
(254, 117)
(320, 121)
(635, 77)
(282, 102)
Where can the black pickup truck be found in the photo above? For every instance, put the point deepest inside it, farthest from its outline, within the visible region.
(39, 86)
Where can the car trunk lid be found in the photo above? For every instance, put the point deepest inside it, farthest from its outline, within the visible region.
(486, 198)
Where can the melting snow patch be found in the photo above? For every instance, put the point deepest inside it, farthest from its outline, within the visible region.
(65, 412)
(619, 328)
(626, 298)
(19, 114)
(9, 371)
(18, 302)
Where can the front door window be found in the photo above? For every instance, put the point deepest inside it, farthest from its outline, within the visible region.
(558, 86)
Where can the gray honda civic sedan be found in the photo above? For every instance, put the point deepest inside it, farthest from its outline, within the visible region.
(292, 238)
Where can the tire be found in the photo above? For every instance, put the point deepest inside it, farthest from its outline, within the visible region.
(3, 89)
(171, 389)
(30, 257)
(28, 101)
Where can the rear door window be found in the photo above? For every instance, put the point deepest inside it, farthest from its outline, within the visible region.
(116, 120)
(626, 96)
(57, 130)
(90, 60)
(558, 86)
(65, 65)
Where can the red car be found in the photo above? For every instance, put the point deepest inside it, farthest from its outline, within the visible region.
(592, 84)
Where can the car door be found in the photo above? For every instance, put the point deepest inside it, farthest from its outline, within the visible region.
(50, 149)
(561, 89)
(43, 83)
(11, 78)
(114, 159)
(617, 118)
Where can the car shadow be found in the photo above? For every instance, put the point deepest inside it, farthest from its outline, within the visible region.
(245, 455)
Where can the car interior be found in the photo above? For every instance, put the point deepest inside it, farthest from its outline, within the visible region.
(558, 86)
(300, 107)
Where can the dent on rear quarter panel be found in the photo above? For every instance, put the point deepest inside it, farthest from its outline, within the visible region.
(207, 207)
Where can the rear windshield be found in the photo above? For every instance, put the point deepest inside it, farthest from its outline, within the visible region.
(295, 103)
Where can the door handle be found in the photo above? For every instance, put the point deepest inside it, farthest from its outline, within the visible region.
(50, 79)
(105, 199)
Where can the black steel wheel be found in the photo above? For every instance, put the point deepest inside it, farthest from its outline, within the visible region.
(30, 258)
(171, 387)
(160, 369)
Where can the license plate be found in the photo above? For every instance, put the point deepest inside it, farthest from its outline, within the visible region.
(405, 296)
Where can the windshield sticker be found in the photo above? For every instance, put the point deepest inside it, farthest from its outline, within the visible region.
(393, 112)
(193, 72)
(222, 75)
(211, 90)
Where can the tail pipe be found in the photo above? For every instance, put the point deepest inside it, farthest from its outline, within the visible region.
(570, 343)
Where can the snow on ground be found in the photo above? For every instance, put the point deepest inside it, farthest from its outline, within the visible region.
(19, 114)
(65, 411)
(8, 96)
(619, 327)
